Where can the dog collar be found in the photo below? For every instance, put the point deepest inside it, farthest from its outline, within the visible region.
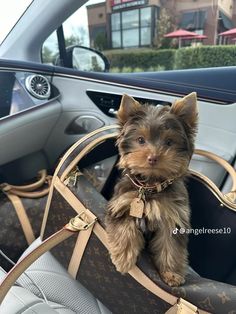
(150, 189)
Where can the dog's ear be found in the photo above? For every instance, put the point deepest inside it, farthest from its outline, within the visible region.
(128, 107)
(186, 110)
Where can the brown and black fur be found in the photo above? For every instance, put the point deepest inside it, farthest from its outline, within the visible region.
(155, 144)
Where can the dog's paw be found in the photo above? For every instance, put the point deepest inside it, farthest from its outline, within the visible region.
(172, 279)
(123, 265)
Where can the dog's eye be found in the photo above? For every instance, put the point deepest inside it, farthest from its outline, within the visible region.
(169, 142)
(141, 140)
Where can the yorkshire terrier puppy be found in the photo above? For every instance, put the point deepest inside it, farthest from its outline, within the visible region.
(155, 146)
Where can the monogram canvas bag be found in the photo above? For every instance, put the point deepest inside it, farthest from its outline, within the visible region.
(73, 229)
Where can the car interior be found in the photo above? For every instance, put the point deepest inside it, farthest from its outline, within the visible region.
(45, 109)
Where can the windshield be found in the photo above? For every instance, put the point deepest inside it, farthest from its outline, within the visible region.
(10, 13)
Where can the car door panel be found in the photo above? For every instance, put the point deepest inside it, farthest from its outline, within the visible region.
(28, 133)
(213, 84)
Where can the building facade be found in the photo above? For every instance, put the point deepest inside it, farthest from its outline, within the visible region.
(134, 23)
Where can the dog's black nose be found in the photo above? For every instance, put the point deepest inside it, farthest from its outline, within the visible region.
(152, 159)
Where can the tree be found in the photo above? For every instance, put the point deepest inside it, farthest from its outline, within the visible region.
(78, 37)
(47, 54)
(165, 24)
(100, 42)
(72, 40)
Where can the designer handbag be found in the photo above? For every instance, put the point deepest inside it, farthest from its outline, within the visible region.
(73, 227)
(21, 213)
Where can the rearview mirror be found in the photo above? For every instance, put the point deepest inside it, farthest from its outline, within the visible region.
(85, 59)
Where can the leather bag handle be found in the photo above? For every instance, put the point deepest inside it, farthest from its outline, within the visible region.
(29, 190)
(33, 194)
(220, 161)
(231, 171)
(42, 175)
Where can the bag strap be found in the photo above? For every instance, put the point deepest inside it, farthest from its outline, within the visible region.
(23, 218)
(183, 307)
(79, 248)
(42, 174)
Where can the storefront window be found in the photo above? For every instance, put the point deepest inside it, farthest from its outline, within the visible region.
(115, 21)
(145, 36)
(130, 19)
(131, 37)
(116, 39)
(199, 31)
(145, 17)
(134, 28)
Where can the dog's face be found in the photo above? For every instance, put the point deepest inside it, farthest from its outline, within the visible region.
(157, 142)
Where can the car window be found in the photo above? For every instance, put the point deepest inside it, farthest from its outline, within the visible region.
(139, 36)
(75, 33)
(50, 49)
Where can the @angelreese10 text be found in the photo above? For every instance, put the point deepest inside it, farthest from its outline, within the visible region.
(224, 230)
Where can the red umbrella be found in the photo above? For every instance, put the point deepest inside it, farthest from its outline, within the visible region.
(201, 37)
(231, 32)
(181, 33)
(196, 37)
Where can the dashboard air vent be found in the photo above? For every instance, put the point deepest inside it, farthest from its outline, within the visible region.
(38, 86)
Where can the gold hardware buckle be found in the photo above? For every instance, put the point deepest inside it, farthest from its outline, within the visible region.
(78, 224)
(186, 307)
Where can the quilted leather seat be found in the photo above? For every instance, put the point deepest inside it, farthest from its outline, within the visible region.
(64, 294)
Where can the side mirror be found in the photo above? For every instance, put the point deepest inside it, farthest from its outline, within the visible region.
(85, 59)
